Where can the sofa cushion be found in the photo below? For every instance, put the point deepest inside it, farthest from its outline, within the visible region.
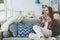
(13, 29)
(24, 30)
(6, 34)
(56, 28)
(30, 20)
(16, 38)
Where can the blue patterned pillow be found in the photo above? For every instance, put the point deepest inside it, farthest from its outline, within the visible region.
(24, 30)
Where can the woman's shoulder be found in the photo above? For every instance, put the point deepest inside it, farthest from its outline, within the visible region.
(52, 22)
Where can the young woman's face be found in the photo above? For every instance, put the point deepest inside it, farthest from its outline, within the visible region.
(46, 11)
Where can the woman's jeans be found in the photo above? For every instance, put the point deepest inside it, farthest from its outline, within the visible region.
(40, 32)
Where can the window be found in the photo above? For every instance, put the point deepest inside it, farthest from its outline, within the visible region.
(2, 10)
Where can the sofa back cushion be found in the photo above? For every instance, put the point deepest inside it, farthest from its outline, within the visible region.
(56, 28)
(30, 21)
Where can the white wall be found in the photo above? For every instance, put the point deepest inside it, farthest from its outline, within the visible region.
(8, 8)
(23, 5)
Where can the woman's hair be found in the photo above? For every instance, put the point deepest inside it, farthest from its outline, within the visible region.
(51, 12)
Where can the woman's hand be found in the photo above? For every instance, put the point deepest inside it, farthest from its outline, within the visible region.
(43, 20)
(48, 19)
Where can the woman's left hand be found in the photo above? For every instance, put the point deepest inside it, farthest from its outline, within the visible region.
(48, 19)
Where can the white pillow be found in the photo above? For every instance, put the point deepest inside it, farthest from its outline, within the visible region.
(16, 18)
(28, 14)
(4, 27)
(19, 17)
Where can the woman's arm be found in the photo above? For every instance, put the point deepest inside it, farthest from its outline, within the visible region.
(41, 22)
(51, 25)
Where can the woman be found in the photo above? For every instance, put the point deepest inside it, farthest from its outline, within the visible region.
(44, 27)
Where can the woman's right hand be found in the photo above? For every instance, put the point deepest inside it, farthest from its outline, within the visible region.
(42, 17)
(43, 20)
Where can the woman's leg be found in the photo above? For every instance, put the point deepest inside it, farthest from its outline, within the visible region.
(38, 31)
(34, 36)
(46, 32)
(42, 31)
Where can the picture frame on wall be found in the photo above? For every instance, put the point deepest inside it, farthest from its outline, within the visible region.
(37, 1)
(43, 6)
(54, 4)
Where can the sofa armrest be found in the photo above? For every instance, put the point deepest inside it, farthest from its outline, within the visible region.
(1, 35)
(6, 34)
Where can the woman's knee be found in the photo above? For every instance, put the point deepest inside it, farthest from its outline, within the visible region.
(35, 27)
(30, 36)
(33, 36)
(48, 34)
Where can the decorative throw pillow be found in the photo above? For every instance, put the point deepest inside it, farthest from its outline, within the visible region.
(17, 18)
(24, 30)
(13, 29)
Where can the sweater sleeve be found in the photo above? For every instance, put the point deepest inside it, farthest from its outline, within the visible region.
(40, 22)
(51, 25)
